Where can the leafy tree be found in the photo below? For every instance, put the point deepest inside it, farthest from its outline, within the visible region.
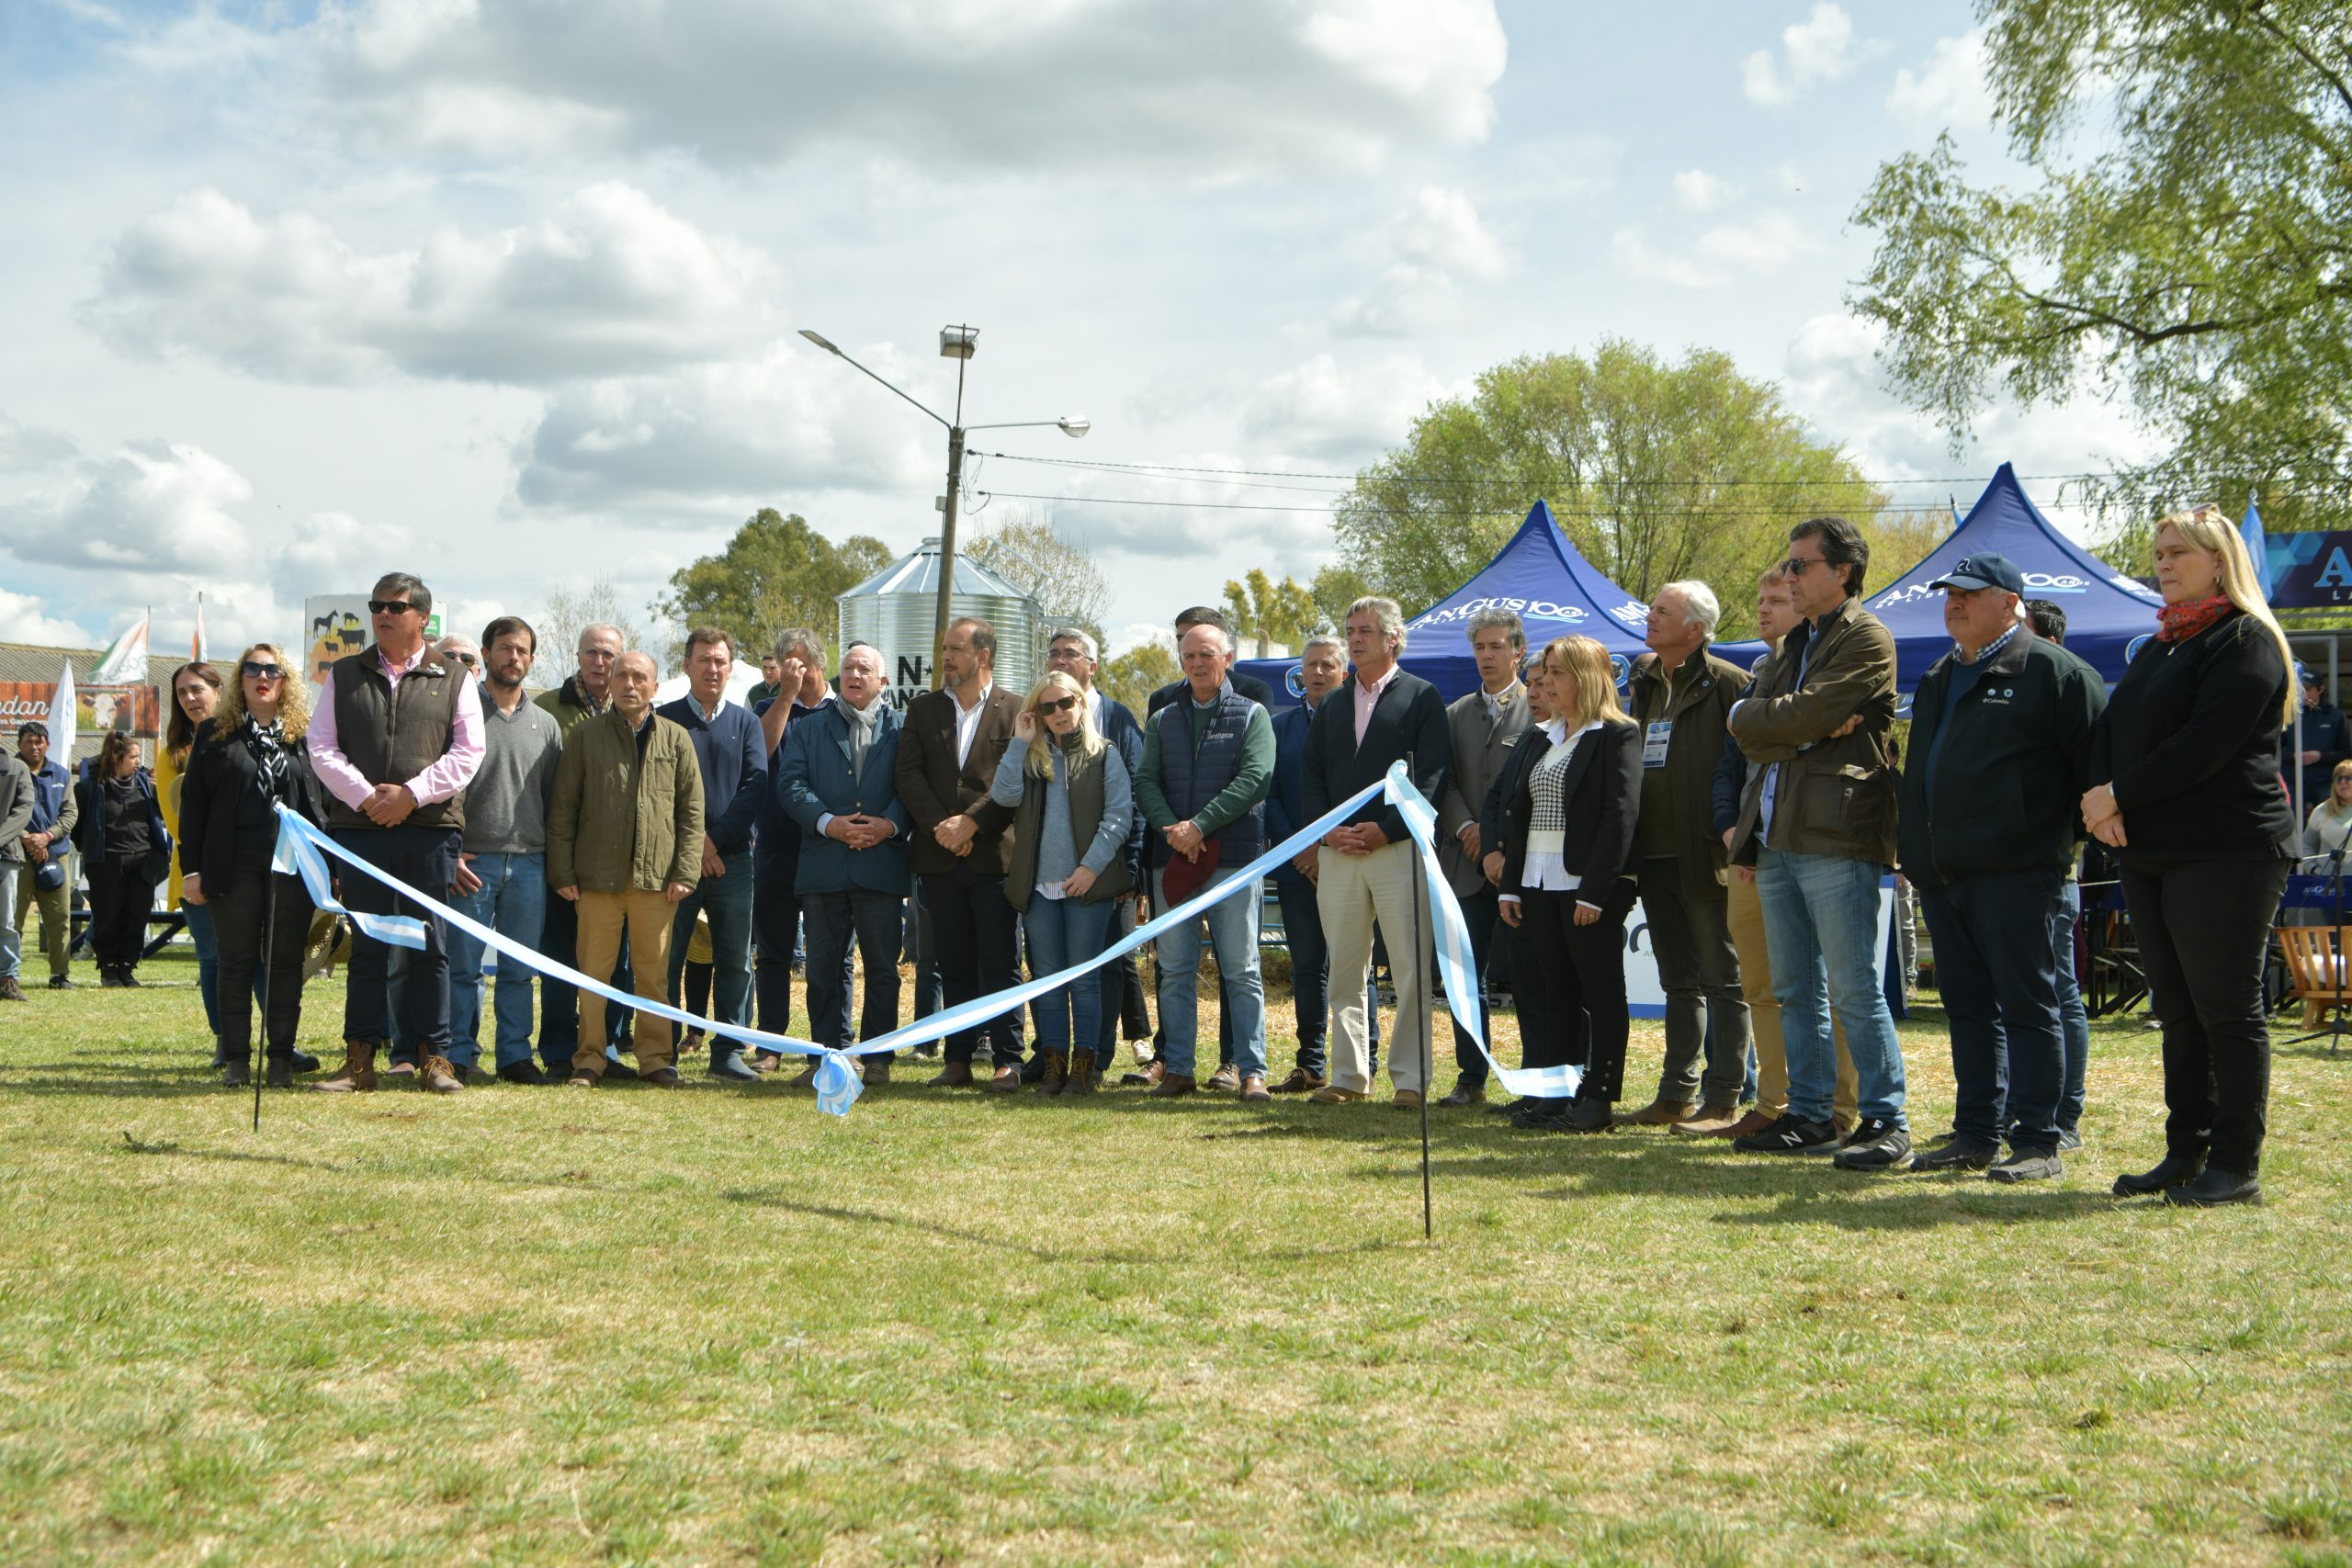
(777, 572)
(1657, 472)
(2193, 255)
(1271, 611)
(1334, 589)
(568, 615)
(1024, 550)
(1131, 677)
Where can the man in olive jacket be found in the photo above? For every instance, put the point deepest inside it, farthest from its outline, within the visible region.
(1680, 693)
(2000, 757)
(625, 837)
(1817, 822)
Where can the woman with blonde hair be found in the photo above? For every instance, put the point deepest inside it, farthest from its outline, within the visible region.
(247, 761)
(1071, 801)
(2189, 799)
(1567, 878)
(2329, 826)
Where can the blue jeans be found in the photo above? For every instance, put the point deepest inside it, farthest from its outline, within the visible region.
(512, 901)
(832, 920)
(727, 901)
(1996, 965)
(2073, 1020)
(208, 962)
(1233, 935)
(1821, 924)
(1063, 931)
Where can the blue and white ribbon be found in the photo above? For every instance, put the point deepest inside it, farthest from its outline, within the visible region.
(302, 848)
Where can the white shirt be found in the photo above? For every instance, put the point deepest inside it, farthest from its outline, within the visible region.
(967, 723)
(1547, 870)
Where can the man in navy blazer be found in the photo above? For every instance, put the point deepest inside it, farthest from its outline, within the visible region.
(1364, 867)
(838, 778)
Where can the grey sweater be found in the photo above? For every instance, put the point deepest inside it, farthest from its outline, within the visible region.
(507, 802)
(1057, 853)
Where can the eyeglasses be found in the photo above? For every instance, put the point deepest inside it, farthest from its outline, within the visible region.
(1057, 705)
(388, 606)
(1795, 565)
(255, 670)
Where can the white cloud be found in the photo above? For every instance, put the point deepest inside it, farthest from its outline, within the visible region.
(1211, 88)
(790, 422)
(1438, 242)
(609, 283)
(25, 447)
(1716, 257)
(1319, 410)
(1947, 93)
(1699, 192)
(1134, 634)
(24, 619)
(1820, 48)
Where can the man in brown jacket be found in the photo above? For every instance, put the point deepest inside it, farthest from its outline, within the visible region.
(1817, 822)
(947, 758)
(625, 840)
(1680, 693)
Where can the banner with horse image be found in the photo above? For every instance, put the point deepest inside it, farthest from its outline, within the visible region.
(336, 625)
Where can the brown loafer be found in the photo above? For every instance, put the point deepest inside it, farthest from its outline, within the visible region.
(582, 1078)
(663, 1076)
(1226, 1079)
(1711, 1121)
(1148, 1075)
(438, 1075)
(400, 1070)
(1300, 1081)
(877, 1071)
(804, 1077)
(1408, 1100)
(1661, 1113)
(1254, 1087)
(954, 1075)
(1332, 1094)
(1754, 1122)
(1174, 1086)
(1007, 1080)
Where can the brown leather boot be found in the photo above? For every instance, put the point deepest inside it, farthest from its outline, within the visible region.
(440, 1076)
(359, 1075)
(1662, 1112)
(1082, 1078)
(954, 1075)
(876, 1070)
(1057, 1073)
(1713, 1120)
(1174, 1086)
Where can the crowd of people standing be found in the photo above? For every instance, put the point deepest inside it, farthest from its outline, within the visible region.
(1754, 812)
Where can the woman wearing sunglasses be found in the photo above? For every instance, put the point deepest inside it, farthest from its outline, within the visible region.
(1071, 801)
(247, 761)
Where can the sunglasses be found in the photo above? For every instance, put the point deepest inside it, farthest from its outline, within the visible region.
(1059, 704)
(388, 606)
(1795, 565)
(255, 670)
(468, 660)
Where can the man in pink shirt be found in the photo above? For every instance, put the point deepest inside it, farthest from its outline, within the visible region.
(396, 737)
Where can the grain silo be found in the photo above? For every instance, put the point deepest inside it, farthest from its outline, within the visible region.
(895, 610)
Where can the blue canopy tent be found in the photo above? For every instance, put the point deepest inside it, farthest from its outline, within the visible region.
(1538, 573)
(2107, 612)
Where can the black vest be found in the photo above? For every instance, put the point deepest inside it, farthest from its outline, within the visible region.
(1191, 778)
(391, 734)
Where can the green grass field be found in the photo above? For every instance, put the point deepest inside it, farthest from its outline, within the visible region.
(548, 1326)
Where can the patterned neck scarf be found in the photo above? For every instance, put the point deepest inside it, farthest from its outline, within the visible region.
(272, 758)
(2178, 623)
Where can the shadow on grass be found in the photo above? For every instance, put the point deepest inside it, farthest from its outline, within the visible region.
(768, 1198)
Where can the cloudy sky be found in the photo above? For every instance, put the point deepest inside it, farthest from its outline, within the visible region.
(505, 291)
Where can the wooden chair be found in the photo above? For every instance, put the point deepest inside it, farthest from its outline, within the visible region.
(2316, 968)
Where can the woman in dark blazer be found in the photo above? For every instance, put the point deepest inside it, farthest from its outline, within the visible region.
(2191, 802)
(126, 851)
(248, 759)
(1568, 877)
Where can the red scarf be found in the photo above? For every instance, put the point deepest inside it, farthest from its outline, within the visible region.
(2178, 623)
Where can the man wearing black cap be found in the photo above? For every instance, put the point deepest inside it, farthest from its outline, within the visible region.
(2000, 732)
(2323, 741)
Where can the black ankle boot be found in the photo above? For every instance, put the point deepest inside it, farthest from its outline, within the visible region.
(2173, 1170)
(281, 1073)
(2215, 1187)
(240, 1073)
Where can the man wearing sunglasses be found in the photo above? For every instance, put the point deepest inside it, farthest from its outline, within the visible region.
(396, 738)
(1817, 823)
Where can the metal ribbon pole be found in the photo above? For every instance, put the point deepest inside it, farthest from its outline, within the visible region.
(1420, 892)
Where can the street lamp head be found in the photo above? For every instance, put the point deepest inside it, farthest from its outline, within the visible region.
(1075, 425)
(820, 340)
(957, 343)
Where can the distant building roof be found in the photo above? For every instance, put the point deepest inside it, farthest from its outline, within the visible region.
(34, 661)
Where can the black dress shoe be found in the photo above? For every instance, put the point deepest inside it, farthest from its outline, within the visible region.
(2173, 1170)
(303, 1062)
(1466, 1092)
(618, 1070)
(1538, 1114)
(1587, 1115)
(2215, 1187)
(1958, 1153)
(239, 1074)
(521, 1072)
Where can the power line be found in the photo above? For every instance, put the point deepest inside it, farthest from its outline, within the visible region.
(1722, 513)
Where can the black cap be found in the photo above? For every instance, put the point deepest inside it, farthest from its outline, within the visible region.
(1983, 569)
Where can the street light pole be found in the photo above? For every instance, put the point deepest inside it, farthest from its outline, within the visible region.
(955, 342)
